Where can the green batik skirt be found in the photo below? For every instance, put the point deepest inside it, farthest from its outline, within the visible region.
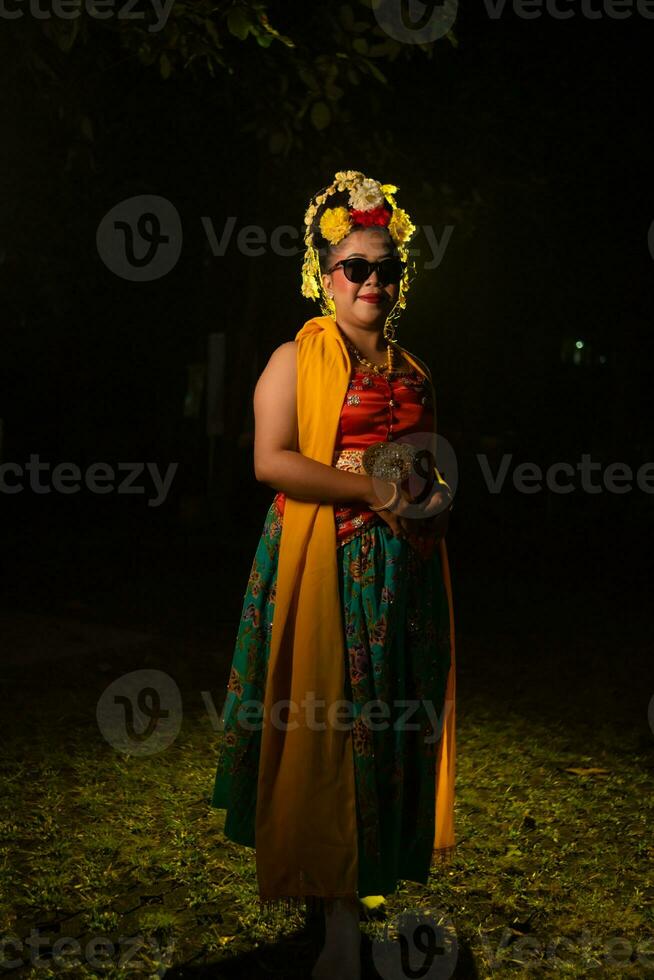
(396, 625)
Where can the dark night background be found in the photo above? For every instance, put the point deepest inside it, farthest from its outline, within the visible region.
(529, 138)
(532, 138)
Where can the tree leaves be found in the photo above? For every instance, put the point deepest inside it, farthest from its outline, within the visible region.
(320, 115)
(238, 23)
(165, 67)
(333, 50)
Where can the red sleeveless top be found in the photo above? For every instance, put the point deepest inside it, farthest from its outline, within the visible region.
(376, 409)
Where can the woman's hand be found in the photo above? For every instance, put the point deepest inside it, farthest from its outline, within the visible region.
(422, 525)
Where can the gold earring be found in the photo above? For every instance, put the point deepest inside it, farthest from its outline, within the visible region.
(389, 332)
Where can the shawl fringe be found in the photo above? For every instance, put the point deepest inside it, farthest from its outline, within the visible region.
(313, 905)
(443, 855)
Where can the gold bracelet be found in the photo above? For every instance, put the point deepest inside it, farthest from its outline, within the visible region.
(390, 503)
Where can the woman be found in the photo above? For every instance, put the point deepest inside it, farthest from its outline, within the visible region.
(348, 604)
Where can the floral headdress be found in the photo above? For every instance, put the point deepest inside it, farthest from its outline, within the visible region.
(368, 200)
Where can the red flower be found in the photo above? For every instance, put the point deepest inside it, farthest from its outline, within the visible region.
(374, 216)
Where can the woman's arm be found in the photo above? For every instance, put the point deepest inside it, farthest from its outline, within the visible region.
(277, 461)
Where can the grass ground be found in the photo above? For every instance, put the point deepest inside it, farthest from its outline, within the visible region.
(553, 871)
(552, 875)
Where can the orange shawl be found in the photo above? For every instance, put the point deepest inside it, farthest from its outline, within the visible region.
(305, 831)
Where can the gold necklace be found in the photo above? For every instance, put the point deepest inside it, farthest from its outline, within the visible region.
(390, 351)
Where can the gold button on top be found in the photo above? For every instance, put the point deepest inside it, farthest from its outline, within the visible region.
(391, 403)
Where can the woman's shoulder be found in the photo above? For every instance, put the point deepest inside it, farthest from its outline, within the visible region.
(285, 353)
(282, 364)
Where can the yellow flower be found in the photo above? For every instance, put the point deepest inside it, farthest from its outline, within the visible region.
(310, 271)
(400, 227)
(335, 224)
(346, 175)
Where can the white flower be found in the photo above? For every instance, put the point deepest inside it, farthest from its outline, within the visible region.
(368, 194)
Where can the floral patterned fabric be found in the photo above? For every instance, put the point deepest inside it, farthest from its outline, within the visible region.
(397, 655)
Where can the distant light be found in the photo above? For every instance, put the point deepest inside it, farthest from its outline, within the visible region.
(579, 344)
(602, 359)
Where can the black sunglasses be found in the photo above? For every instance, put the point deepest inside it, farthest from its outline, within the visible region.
(357, 270)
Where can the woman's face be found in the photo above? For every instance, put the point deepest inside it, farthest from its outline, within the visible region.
(368, 303)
